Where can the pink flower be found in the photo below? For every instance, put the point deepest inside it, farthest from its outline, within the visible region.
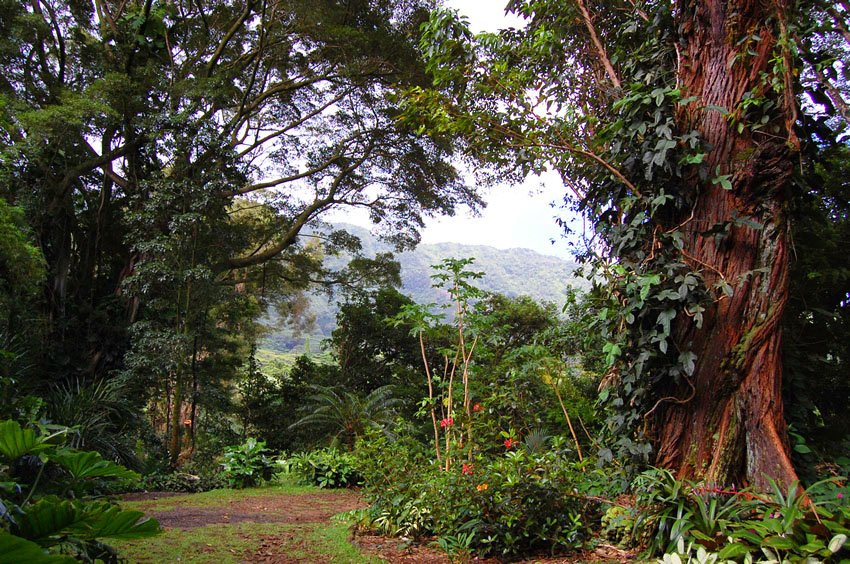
(840, 495)
(467, 469)
(447, 422)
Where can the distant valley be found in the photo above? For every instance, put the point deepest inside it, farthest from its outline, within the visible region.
(513, 272)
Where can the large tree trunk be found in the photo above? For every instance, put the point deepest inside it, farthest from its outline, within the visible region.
(727, 425)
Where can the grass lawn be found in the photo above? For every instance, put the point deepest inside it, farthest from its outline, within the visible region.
(271, 524)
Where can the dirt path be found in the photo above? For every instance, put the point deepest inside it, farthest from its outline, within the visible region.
(316, 507)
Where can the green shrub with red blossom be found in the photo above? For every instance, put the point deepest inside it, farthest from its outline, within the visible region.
(510, 503)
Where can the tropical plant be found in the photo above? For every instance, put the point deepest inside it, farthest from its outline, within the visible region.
(100, 415)
(326, 468)
(248, 464)
(677, 517)
(344, 416)
(49, 528)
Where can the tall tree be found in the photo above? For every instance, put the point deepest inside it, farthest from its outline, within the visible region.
(678, 127)
(171, 156)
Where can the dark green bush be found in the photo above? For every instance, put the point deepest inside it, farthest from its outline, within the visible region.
(183, 482)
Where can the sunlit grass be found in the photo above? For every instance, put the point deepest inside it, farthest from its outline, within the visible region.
(229, 544)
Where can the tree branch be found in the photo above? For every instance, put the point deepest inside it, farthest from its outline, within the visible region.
(600, 49)
(243, 17)
(259, 257)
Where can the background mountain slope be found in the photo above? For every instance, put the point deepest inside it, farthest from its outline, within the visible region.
(513, 272)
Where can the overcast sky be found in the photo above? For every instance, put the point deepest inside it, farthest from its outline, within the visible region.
(516, 216)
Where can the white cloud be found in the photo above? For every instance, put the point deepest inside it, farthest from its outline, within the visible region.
(515, 216)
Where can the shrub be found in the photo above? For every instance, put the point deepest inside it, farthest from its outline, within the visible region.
(326, 468)
(248, 464)
(36, 525)
(725, 524)
(517, 502)
(183, 482)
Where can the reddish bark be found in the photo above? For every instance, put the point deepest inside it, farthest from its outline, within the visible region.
(732, 429)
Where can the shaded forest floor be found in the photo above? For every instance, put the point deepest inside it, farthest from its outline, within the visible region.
(282, 524)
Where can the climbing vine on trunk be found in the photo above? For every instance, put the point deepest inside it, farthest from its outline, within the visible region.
(674, 126)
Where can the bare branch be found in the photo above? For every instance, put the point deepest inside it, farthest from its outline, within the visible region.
(285, 179)
(289, 238)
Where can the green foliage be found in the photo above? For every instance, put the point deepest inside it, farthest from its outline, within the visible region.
(101, 414)
(16, 441)
(247, 465)
(268, 390)
(605, 95)
(741, 525)
(326, 468)
(514, 502)
(22, 271)
(55, 526)
(370, 352)
(166, 224)
(22, 265)
(343, 416)
(14, 549)
(818, 319)
(183, 482)
(88, 464)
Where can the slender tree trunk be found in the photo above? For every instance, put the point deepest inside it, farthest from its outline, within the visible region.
(176, 420)
(726, 424)
(193, 416)
(432, 407)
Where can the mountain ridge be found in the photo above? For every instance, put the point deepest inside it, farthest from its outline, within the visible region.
(513, 272)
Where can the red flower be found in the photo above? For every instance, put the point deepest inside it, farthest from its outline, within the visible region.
(509, 443)
(467, 469)
(476, 408)
(448, 422)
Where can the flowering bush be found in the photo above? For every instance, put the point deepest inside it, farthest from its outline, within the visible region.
(508, 504)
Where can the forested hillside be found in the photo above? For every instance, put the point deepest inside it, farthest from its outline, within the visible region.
(512, 272)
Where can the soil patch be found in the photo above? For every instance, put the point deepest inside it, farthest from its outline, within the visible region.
(287, 508)
(397, 550)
